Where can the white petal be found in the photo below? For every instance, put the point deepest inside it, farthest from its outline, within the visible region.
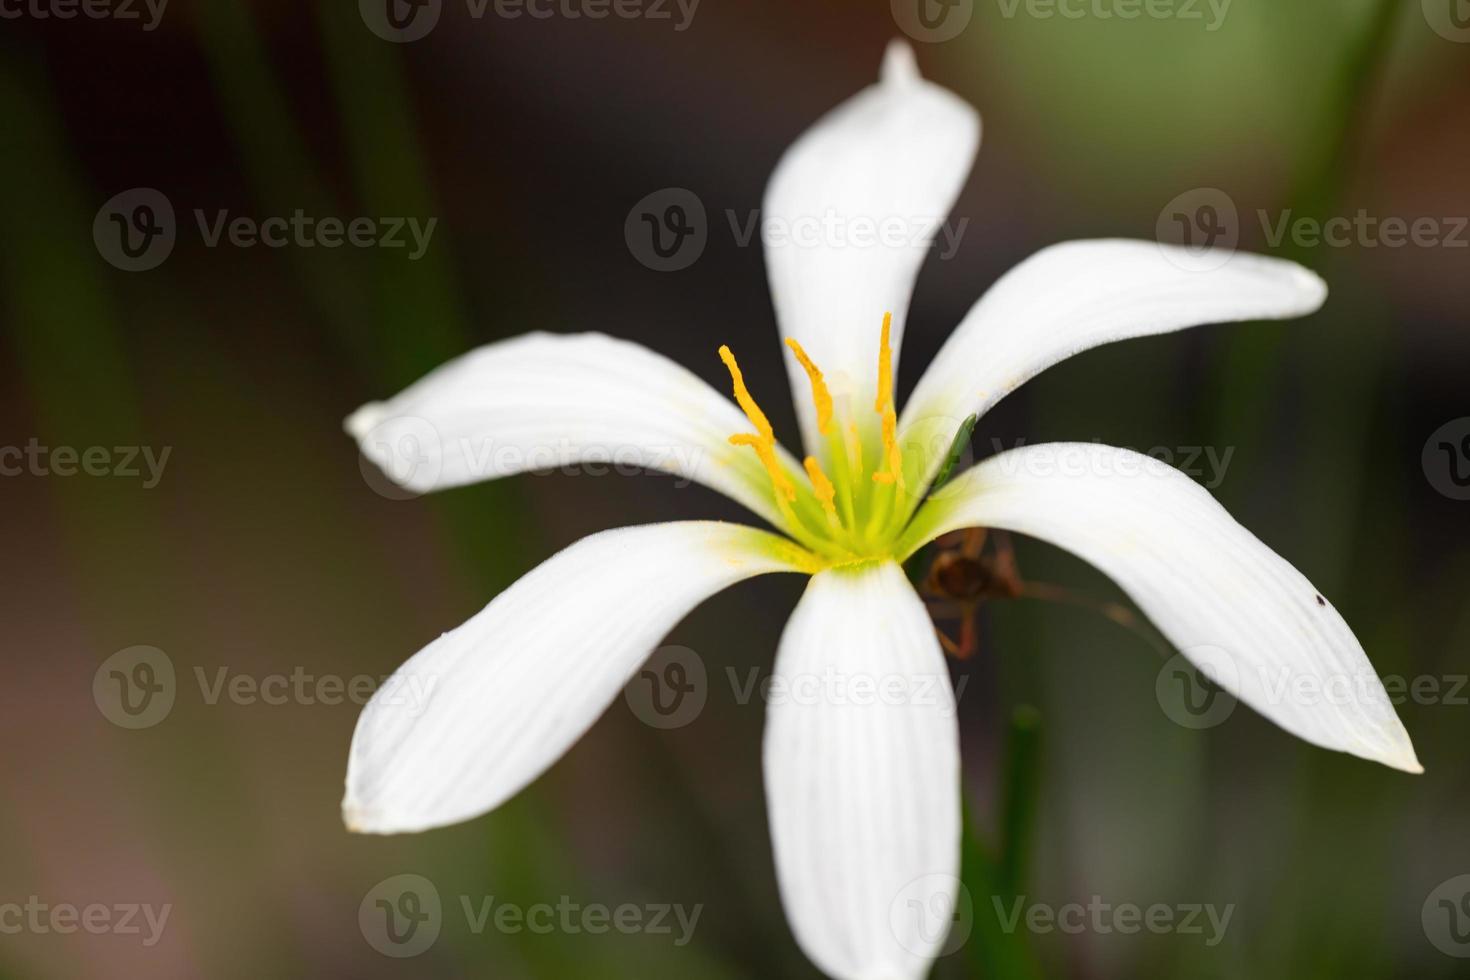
(864, 791)
(1078, 295)
(541, 401)
(1241, 612)
(891, 157)
(482, 711)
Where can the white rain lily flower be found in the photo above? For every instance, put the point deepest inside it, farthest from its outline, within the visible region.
(863, 793)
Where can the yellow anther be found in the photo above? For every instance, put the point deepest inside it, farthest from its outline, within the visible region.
(763, 440)
(892, 456)
(885, 367)
(821, 397)
(821, 486)
(891, 452)
(742, 397)
(765, 450)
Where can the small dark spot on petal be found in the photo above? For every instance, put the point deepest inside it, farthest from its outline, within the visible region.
(1321, 601)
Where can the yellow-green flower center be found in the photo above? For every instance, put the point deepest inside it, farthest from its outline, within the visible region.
(852, 501)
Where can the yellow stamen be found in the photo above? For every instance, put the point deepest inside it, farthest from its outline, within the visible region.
(822, 486)
(820, 395)
(854, 446)
(765, 450)
(884, 407)
(743, 398)
(894, 473)
(763, 441)
(885, 367)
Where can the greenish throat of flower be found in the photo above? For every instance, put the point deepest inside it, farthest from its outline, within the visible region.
(853, 503)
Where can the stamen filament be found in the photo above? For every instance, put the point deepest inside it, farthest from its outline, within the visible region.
(822, 487)
(765, 451)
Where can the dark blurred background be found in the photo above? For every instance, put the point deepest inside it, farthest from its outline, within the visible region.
(258, 549)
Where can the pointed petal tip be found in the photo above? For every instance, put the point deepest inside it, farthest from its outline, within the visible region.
(359, 819)
(899, 64)
(354, 819)
(1405, 760)
(364, 420)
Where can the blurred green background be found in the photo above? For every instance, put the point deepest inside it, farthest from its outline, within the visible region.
(264, 550)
